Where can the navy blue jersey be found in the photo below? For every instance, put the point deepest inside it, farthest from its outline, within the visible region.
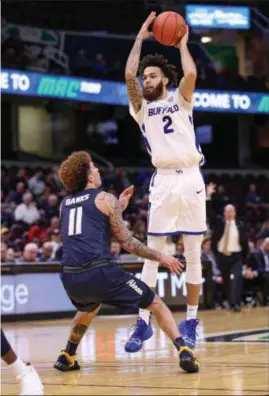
(85, 230)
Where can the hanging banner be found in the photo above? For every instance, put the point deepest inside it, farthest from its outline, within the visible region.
(16, 82)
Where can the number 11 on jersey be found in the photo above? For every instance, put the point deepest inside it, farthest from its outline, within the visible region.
(75, 221)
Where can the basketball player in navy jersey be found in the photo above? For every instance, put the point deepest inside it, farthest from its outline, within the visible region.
(89, 216)
(25, 374)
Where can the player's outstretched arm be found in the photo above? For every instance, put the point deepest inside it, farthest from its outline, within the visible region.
(109, 204)
(187, 84)
(133, 85)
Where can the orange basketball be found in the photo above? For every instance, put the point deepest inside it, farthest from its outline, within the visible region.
(169, 28)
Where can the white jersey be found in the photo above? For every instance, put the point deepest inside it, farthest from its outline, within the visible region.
(167, 128)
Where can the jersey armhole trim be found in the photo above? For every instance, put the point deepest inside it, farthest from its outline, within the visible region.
(99, 210)
(186, 104)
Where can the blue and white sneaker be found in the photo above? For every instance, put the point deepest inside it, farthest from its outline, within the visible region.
(142, 332)
(189, 331)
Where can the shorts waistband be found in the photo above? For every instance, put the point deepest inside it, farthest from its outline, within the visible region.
(178, 171)
(92, 265)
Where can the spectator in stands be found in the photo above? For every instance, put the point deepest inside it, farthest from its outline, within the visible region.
(54, 224)
(27, 212)
(122, 179)
(99, 66)
(81, 65)
(13, 50)
(220, 199)
(47, 251)
(55, 241)
(170, 247)
(40, 62)
(7, 216)
(252, 197)
(38, 230)
(251, 246)
(21, 176)
(115, 250)
(229, 244)
(9, 58)
(53, 182)
(16, 196)
(29, 254)
(264, 232)
(208, 255)
(139, 230)
(5, 181)
(5, 255)
(36, 183)
(11, 255)
(210, 191)
(52, 207)
(5, 234)
(257, 272)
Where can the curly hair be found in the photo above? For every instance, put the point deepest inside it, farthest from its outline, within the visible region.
(160, 61)
(74, 171)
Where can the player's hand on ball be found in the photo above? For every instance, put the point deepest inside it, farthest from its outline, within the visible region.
(125, 197)
(144, 31)
(172, 264)
(184, 40)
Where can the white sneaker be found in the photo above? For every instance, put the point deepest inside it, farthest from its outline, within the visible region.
(30, 382)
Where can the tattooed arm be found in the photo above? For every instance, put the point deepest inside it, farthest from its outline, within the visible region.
(133, 85)
(109, 205)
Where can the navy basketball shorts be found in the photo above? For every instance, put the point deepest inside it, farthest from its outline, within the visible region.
(108, 285)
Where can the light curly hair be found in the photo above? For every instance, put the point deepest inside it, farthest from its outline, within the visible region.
(74, 171)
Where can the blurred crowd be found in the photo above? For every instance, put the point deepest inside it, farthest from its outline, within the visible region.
(30, 233)
(87, 62)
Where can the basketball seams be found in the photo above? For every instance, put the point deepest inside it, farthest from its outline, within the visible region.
(178, 25)
(164, 25)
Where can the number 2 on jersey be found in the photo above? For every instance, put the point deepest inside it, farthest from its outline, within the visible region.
(168, 122)
(75, 221)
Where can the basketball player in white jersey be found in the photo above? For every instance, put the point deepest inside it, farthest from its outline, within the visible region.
(177, 199)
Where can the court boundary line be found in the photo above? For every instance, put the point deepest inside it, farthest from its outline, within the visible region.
(150, 387)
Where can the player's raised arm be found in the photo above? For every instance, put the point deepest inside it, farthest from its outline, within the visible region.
(109, 204)
(133, 85)
(187, 84)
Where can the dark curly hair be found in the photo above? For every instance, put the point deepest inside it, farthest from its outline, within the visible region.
(74, 171)
(161, 62)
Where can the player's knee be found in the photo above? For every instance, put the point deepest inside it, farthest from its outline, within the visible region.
(192, 252)
(150, 273)
(194, 274)
(150, 268)
(156, 304)
(193, 266)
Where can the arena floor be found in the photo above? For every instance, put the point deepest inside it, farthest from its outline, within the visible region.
(233, 354)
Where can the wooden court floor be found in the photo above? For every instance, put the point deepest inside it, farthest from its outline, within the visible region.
(229, 365)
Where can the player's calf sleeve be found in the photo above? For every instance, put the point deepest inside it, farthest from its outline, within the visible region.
(150, 270)
(192, 253)
(5, 346)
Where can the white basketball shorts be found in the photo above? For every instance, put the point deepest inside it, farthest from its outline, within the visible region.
(177, 202)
